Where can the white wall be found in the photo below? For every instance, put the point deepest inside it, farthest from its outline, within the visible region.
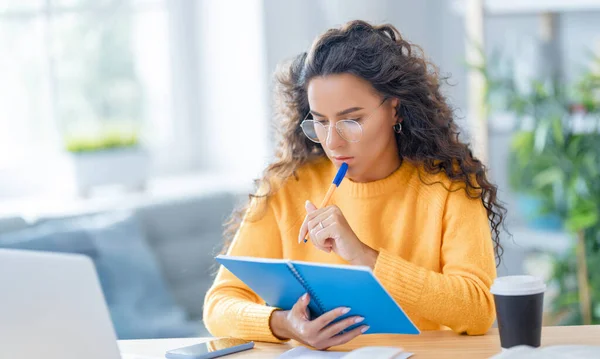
(185, 65)
(233, 96)
(580, 33)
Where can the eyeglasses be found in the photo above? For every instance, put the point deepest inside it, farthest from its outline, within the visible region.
(349, 130)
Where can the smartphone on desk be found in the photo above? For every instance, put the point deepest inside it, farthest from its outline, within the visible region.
(211, 349)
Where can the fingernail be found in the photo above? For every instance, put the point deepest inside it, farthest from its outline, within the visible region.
(345, 310)
(359, 319)
(364, 329)
(306, 203)
(305, 296)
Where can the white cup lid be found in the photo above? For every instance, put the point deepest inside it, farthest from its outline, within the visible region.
(518, 285)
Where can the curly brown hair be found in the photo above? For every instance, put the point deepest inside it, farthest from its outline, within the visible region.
(396, 69)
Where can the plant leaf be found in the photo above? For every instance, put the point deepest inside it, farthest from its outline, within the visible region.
(558, 133)
(582, 221)
(541, 135)
(548, 176)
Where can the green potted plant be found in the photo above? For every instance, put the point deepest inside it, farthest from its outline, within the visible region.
(521, 107)
(576, 272)
(541, 112)
(109, 153)
(555, 158)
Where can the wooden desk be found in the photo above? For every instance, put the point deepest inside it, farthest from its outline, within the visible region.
(434, 344)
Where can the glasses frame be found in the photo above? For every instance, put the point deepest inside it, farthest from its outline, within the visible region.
(326, 127)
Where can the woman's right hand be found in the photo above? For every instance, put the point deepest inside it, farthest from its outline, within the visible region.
(318, 333)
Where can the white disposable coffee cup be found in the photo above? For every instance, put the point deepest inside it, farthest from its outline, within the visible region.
(518, 285)
(519, 306)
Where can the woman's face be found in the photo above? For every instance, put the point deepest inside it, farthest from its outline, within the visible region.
(335, 98)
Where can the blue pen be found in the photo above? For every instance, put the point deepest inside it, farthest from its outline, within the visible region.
(336, 183)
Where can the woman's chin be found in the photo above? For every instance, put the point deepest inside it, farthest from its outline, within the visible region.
(353, 175)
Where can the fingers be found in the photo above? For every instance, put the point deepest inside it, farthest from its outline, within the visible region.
(324, 238)
(300, 309)
(312, 212)
(303, 328)
(325, 319)
(310, 209)
(326, 217)
(346, 337)
(319, 223)
(320, 333)
(338, 327)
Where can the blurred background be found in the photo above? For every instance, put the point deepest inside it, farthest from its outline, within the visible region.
(130, 129)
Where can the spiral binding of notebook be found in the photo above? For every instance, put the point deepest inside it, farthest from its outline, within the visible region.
(308, 288)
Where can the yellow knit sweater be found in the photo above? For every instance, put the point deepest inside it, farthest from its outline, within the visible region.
(435, 250)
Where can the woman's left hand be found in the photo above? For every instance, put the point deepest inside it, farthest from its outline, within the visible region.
(329, 231)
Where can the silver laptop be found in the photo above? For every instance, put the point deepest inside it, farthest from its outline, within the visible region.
(52, 307)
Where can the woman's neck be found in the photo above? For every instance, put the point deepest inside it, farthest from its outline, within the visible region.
(385, 166)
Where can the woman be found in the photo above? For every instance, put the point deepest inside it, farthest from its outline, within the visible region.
(415, 205)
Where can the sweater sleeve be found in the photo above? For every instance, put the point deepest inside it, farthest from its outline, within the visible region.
(230, 307)
(458, 297)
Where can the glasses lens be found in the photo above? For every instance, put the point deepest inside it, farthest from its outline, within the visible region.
(313, 130)
(350, 130)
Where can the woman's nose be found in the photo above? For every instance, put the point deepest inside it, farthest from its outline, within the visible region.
(334, 140)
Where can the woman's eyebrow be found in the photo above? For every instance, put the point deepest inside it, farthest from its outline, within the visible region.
(341, 113)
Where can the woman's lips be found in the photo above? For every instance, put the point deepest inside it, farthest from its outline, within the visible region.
(342, 158)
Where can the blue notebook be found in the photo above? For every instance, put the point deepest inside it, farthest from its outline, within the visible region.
(280, 283)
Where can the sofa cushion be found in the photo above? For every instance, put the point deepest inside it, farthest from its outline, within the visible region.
(54, 237)
(197, 215)
(186, 235)
(10, 224)
(139, 299)
(190, 265)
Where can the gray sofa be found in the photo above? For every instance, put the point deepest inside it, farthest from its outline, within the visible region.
(183, 235)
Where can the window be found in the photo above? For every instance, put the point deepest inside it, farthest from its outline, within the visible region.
(72, 63)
